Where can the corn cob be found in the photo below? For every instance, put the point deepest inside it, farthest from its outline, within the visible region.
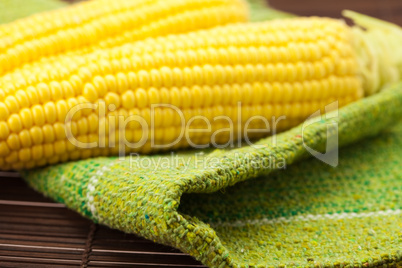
(99, 24)
(290, 67)
(379, 51)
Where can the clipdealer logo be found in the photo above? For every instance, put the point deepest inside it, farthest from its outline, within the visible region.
(115, 130)
(331, 154)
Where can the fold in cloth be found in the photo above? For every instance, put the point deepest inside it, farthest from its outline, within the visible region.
(307, 214)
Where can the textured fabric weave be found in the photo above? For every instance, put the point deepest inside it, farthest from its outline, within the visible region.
(308, 214)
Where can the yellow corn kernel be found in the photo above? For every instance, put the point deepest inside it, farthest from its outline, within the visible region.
(176, 91)
(102, 24)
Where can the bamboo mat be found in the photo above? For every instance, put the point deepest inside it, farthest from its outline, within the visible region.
(35, 232)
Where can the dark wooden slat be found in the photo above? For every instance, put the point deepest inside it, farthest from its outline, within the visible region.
(9, 175)
(390, 10)
(28, 213)
(6, 243)
(31, 231)
(61, 255)
(67, 230)
(43, 222)
(27, 261)
(28, 239)
(17, 263)
(43, 211)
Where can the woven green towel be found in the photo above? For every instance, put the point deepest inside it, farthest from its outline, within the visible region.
(309, 214)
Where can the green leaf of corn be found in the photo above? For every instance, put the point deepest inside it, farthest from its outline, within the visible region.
(11, 10)
(261, 11)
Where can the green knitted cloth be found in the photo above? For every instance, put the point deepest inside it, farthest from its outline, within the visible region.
(228, 207)
(308, 214)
